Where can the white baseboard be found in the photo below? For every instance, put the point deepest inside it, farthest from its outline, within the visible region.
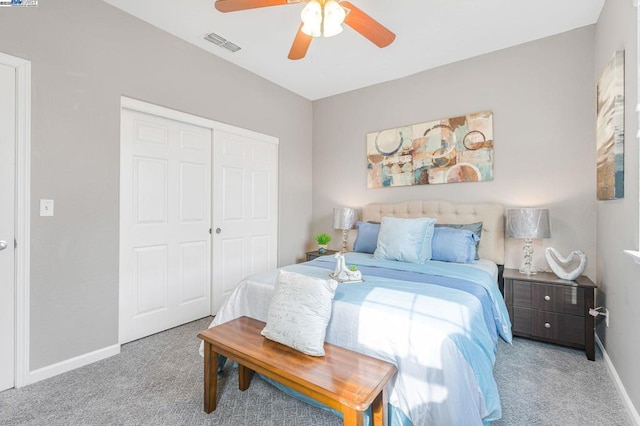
(72, 363)
(631, 409)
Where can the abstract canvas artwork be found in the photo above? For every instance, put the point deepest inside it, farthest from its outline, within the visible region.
(610, 130)
(458, 149)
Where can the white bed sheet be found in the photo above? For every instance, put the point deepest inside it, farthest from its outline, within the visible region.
(485, 265)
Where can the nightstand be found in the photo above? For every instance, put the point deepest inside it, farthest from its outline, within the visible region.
(313, 254)
(544, 307)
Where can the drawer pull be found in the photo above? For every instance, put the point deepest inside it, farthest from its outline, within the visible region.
(547, 298)
(547, 325)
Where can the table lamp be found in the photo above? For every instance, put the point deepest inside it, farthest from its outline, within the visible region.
(344, 218)
(528, 224)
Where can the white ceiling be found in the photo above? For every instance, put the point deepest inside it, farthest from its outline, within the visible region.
(429, 33)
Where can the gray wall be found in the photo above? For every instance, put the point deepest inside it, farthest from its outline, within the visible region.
(542, 96)
(85, 55)
(618, 276)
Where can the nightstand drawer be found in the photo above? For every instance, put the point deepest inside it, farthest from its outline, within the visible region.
(522, 321)
(547, 325)
(561, 299)
(550, 326)
(521, 293)
(558, 327)
(552, 298)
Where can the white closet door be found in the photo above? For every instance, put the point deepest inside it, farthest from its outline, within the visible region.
(245, 210)
(165, 202)
(7, 255)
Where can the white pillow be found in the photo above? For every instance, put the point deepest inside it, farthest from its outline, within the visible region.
(406, 240)
(300, 311)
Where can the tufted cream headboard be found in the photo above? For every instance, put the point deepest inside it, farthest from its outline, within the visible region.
(490, 214)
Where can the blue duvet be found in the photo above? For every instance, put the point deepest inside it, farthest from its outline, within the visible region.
(438, 323)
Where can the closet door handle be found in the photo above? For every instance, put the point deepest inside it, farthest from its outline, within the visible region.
(3, 245)
(218, 230)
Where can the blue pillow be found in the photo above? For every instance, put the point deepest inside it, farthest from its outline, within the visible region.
(367, 238)
(406, 240)
(453, 245)
(476, 228)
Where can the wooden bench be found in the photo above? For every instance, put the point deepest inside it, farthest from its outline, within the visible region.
(344, 380)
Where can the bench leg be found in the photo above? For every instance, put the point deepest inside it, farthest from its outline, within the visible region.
(352, 417)
(244, 377)
(210, 378)
(379, 409)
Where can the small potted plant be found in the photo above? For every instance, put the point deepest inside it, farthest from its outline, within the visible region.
(354, 273)
(322, 240)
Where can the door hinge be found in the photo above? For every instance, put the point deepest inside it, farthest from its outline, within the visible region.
(15, 244)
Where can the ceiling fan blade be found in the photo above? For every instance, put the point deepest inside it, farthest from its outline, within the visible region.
(300, 45)
(235, 5)
(368, 27)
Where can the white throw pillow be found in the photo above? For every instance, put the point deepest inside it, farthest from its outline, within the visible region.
(300, 311)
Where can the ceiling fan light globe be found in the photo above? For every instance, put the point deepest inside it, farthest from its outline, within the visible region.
(333, 12)
(331, 30)
(310, 30)
(333, 17)
(311, 17)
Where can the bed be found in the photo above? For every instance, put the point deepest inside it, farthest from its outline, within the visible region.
(438, 322)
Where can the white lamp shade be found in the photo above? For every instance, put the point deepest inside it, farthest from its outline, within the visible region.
(528, 223)
(334, 15)
(311, 17)
(344, 218)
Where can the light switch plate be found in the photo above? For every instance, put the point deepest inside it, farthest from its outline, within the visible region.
(46, 207)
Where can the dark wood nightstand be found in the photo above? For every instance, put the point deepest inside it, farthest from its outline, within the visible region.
(313, 254)
(544, 307)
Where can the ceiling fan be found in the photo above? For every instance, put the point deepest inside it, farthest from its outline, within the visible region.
(320, 18)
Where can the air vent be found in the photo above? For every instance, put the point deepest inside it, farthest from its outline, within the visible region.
(230, 46)
(215, 39)
(222, 42)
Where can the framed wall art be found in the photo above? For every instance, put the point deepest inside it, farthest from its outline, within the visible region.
(610, 130)
(457, 149)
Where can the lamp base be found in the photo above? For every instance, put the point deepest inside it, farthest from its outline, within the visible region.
(527, 268)
(344, 240)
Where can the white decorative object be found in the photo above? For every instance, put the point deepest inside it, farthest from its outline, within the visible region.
(560, 264)
(342, 273)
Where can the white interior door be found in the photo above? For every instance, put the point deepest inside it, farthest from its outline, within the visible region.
(7, 228)
(165, 202)
(245, 210)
